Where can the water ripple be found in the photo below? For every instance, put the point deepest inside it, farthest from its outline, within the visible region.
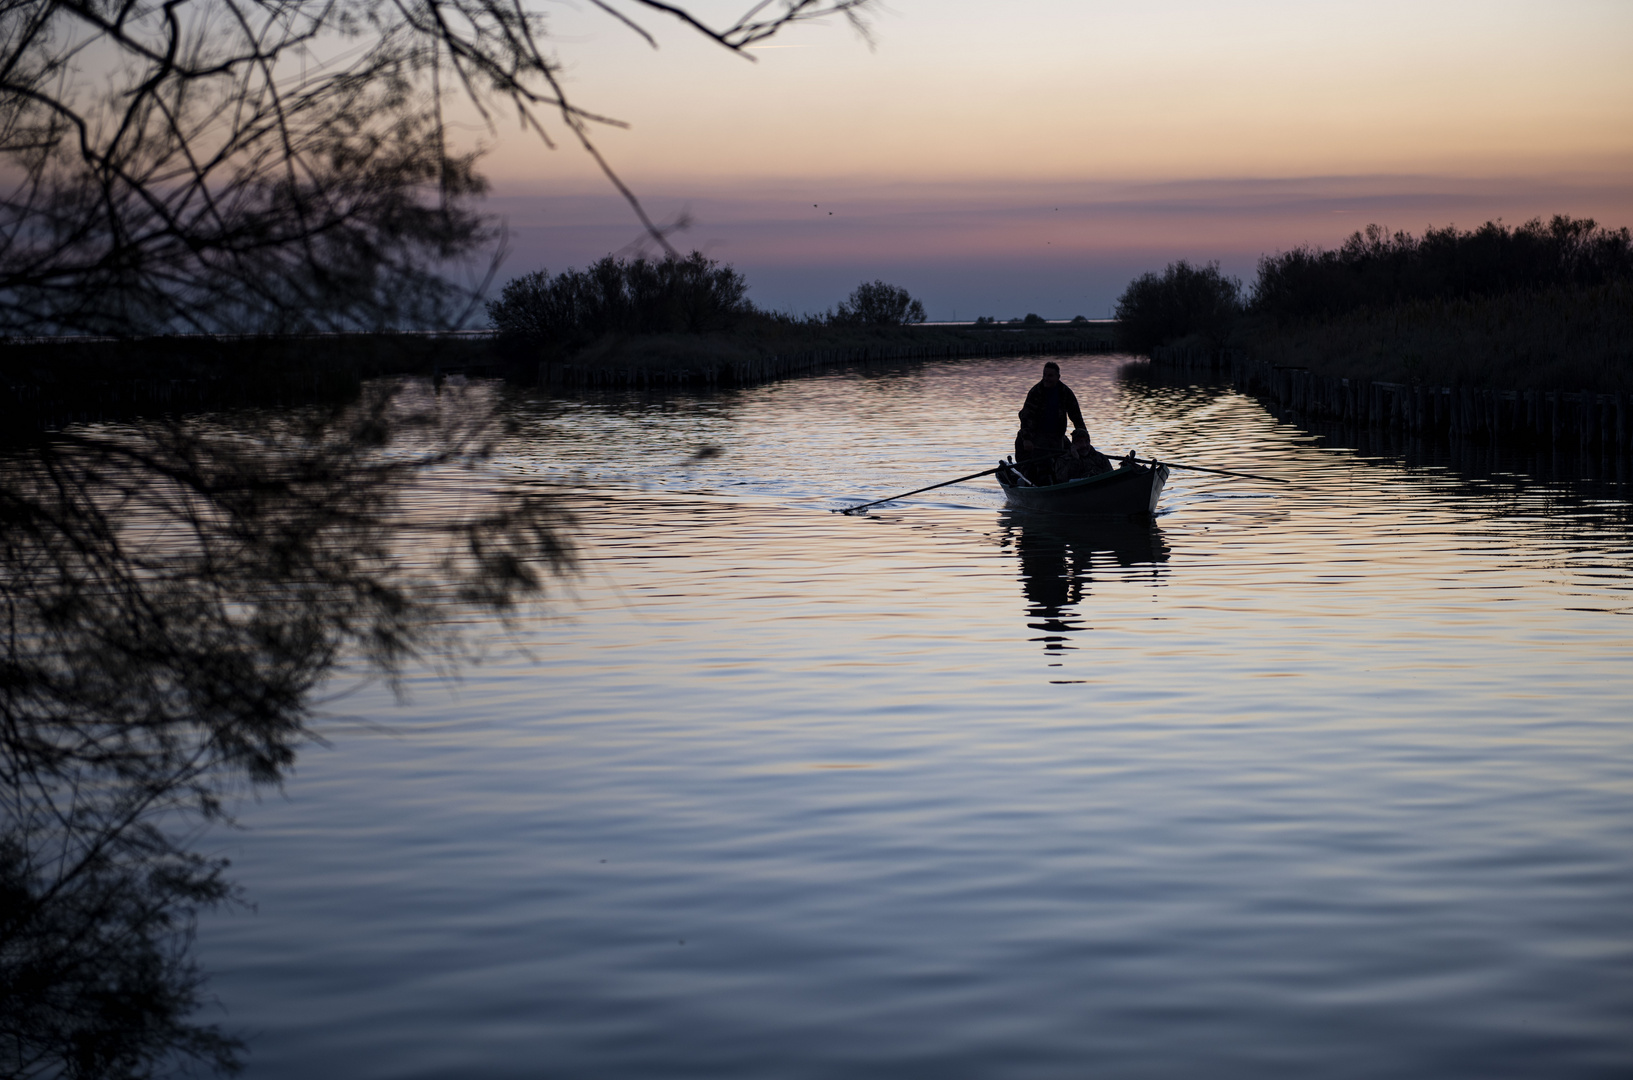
(1329, 779)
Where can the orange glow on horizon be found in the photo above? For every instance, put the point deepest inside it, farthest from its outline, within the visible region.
(1060, 91)
(1170, 129)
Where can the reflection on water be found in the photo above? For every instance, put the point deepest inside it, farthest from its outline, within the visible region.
(1562, 468)
(173, 594)
(1329, 779)
(1057, 556)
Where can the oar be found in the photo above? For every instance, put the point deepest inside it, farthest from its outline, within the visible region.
(932, 487)
(1221, 472)
(1029, 461)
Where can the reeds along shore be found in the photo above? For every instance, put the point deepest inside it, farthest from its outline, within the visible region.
(1558, 338)
(1505, 335)
(1589, 421)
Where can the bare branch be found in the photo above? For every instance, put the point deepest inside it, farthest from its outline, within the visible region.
(276, 164)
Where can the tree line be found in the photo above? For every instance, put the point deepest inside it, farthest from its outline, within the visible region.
(1371, 270)
(689, 294)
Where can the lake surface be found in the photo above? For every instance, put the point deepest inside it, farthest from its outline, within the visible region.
(1326, 779)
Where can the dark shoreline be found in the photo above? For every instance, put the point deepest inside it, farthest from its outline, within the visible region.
(51, 383)
(1565, 338)
(1590, 423)
(46, 384)
(744, 359)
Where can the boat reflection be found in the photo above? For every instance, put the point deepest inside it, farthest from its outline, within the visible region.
(173, 594)
(1057, 556)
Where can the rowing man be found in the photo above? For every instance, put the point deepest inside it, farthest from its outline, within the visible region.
(1048, 406)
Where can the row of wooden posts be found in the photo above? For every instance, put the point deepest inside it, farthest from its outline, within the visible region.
(1591, 421)
(746, 372)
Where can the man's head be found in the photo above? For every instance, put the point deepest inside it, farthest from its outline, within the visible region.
(1080, 439)
(1051, 373)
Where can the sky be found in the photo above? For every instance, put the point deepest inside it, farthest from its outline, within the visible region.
(1034, 156)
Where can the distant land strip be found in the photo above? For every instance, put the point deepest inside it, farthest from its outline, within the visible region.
(669, 360)
(47, 383)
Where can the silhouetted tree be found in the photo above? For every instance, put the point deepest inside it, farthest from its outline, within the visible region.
(1182, 300)
(878, 303)
(271, 164)
(171, 596)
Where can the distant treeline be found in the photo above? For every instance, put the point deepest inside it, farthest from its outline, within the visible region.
(673, 295)
(679, 298)
(1031, 319)
(1543, 302)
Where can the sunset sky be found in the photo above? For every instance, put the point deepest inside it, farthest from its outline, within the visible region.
(1032, 156)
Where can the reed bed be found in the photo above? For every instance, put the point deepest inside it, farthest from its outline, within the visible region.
(1549, 368)
(1562, 338)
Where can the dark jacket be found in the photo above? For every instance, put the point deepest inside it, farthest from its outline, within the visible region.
(1047, 409)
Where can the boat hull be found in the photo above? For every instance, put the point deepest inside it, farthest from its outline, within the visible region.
(1128, 491)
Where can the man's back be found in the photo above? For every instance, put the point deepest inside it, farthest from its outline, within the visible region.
(1049, 404)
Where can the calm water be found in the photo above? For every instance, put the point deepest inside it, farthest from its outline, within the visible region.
(1332, 779)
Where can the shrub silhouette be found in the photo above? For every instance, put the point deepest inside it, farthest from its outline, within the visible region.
(1182, 300)
(878, 303)
(690, 295)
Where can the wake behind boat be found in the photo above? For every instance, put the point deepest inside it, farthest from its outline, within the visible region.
(1130, 490)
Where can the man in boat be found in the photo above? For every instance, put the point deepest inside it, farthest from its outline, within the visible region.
(1081, 460)
(1048, 406)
